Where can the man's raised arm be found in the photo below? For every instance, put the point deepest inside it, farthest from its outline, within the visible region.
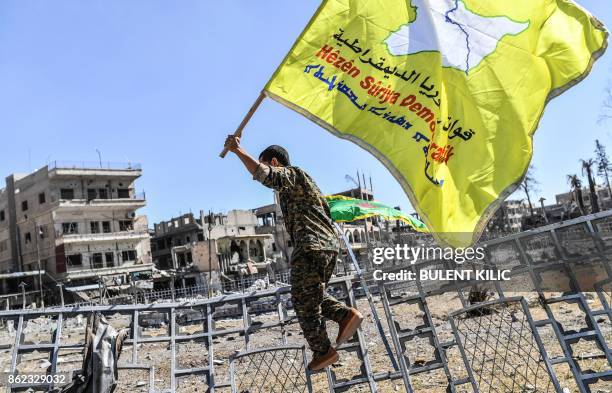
(232, 143)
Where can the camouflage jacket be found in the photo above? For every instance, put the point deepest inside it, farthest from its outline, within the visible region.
(305, 210)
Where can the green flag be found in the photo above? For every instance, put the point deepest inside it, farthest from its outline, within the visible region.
(345, 209)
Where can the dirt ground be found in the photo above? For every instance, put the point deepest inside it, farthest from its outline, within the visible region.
(193, 353)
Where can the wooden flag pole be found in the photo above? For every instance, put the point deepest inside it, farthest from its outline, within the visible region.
(246, 119)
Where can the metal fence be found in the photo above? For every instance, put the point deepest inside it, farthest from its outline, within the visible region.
(526, 336)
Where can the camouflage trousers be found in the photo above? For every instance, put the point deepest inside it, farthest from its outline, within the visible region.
(310, 273)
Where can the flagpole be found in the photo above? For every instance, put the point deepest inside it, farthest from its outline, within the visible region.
(246, 119)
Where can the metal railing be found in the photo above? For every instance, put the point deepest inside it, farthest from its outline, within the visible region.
(94, 165)
(509, 343)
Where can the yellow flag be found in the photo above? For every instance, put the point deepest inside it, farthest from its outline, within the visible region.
(445, 93)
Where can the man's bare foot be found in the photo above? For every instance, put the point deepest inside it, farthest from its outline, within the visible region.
(348, 326)
(321, 361)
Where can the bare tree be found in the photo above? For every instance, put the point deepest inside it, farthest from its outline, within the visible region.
(529, 186)
(606, 105)
(603, 164)
(576, 184)
(587, 166)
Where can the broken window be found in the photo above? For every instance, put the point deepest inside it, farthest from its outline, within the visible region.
(67, 193)
(2, 215)
(106, 227)
(94, 226)
(129, 255)
(110, 259)
(91, 194)
(70, 228)
(103, 193)
(74, 260)
(181, 260)
(28, 238)
(126, 225)
(42, 198)
(123, 193)
(24, 206)
(163, 263)
(96, 261)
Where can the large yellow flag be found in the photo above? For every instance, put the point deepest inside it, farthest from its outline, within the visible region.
(445, 93)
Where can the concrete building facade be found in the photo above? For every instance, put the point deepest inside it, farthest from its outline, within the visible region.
(76, 222)
(182, 244)
(604, 199)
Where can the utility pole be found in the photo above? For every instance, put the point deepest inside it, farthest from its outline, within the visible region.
(211, 218)
(38, 231)
(61, 291)
(542, 199)
(22, 285)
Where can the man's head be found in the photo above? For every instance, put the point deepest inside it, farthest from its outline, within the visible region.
(275, 155)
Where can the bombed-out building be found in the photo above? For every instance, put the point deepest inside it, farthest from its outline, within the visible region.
(224, 245)
(75, 222)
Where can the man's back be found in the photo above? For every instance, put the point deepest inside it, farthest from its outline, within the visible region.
(305, 210)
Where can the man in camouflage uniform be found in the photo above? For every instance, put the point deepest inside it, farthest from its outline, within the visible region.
(308, 222)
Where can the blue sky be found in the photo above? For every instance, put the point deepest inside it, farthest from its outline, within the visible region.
(162, 83)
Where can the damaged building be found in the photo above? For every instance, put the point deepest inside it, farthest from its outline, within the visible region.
(74, 222)
(217, 247)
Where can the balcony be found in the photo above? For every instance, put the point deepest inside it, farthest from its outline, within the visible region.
(134, 201)
(94, 165)
(135, 235)
(74, 273)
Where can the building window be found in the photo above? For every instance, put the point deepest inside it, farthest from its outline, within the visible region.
(96, 261)
(28, 238)
(129, 255)
(42, 231)
(94, 227)
(24, 206)
(126, 225)
(123, 193)
(161, 244)
(103, 193)
(91, 194)
(42, 198)
(200, 236)
(110, 259)
(2, 215)
(69, 228)
(74, 260)
(106, 227)
(67, 193)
